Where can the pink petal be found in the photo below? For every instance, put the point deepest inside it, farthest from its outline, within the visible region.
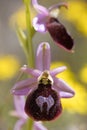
(62, 4)
(39, 23)
(57, 70)
(19, 102)
(63, 89)
(39, 126)
(43, 57)
(19, 124)
(33, 72)
(39, 8)
(20, 115)
(65, 94)
(23, 87)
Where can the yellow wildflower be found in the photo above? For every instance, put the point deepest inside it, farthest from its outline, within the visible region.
(77, 14)
(9, 65)
(83, 74)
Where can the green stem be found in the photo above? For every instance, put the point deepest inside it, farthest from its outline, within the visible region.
(30, 124)
(30, 56)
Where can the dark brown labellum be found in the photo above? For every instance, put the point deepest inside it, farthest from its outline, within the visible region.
(59, 33)
(43, 104)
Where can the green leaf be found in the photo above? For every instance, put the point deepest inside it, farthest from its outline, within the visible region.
(22, 38)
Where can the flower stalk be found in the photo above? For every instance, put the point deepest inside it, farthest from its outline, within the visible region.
(30, 56)
(30, 124)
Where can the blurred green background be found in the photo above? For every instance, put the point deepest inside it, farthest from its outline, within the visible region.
(74, 116)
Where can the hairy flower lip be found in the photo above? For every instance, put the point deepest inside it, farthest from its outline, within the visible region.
(59, 34)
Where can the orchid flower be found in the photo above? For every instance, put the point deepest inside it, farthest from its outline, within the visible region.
(43, 89)
(19, 102)
(46, 20)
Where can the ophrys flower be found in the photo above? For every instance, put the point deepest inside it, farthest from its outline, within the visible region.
(44, 90)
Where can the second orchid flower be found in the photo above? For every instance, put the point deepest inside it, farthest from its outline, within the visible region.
(46, 20)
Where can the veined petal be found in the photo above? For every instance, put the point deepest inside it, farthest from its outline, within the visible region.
(57, 70)
(43, 57)
(64, 89)
(39, 126)
(33, 72)
(40, 9)
(24, 86)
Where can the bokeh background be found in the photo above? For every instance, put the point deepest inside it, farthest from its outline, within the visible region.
(12, 57)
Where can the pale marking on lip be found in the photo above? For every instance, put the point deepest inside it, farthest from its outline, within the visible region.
(41, 100)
